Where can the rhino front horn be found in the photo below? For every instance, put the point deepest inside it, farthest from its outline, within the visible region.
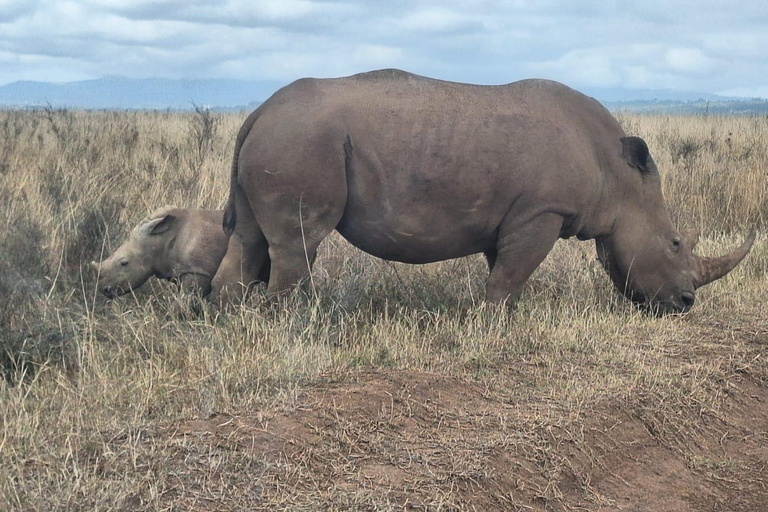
(712, 269)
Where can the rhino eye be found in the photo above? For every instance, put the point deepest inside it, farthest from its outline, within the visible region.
(676, 244)
(124, 263)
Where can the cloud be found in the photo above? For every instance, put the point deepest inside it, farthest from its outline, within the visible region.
(437, 20)
(630, 66)
(703, 45)
(583, 67)
(688, 60)
(294, 15)
(380, 56)
(11, 10)
(744, 44)
(746, 92)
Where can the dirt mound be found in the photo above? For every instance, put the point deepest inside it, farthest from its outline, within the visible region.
(418, 441)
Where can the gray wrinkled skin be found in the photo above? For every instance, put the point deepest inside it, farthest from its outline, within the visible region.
(418, 170)
(172, 243)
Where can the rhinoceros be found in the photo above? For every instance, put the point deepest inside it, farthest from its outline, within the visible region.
(419, 170)
(171, 243)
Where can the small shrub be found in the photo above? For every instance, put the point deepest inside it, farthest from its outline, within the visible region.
(97, 225)
(29, 339)
(23, 353)
(203, 127)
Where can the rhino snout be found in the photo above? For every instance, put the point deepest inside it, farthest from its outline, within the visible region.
(674, 304)
(111, 292)
(678, 305)
(687, 299)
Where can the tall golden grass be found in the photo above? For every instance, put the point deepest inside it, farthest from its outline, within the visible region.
(86, 378)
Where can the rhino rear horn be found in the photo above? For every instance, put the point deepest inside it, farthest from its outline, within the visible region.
(712, 269)
(691, 238)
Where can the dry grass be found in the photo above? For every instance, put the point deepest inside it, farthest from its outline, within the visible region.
(91, 386)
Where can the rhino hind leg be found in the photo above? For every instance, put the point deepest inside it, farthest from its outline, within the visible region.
(292, 252)
(242, 267)
(520, 249)
(247, 259)
(291, 268)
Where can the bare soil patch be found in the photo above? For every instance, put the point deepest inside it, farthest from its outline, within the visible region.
(419, 441)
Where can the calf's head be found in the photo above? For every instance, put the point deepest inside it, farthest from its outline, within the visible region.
(646, 257)
(143, 255)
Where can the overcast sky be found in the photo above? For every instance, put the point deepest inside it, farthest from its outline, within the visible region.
(700, 45)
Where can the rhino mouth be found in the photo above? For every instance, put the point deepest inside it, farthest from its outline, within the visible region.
(111, 292)
(673, 306)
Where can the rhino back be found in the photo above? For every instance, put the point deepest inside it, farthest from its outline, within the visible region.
(431, 167)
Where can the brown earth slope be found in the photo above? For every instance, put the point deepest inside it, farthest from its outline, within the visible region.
(418, 441)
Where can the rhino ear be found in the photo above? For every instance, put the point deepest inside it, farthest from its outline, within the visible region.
(635, 152)
(156, 226)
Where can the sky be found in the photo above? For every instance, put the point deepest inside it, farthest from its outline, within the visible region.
(693, 45)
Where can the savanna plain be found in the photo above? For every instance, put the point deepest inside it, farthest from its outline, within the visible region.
(391, 387)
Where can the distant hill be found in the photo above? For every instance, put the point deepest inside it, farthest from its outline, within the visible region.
(620, 95)
(147, 93)
(676, 102)
(667, 101)
(740, 106)
(156, 93)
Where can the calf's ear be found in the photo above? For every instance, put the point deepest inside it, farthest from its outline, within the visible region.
(635, 152)
(156, 226)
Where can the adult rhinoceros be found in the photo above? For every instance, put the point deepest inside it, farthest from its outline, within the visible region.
(418, 170)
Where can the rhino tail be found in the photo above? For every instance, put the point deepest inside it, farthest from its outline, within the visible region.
(230, 215)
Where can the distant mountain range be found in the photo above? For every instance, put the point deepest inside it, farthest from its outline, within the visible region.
(677, 102)
(145, 93)
(618, 95)
(156, 93)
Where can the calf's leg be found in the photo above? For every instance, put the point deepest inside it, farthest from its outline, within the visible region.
(195, 284)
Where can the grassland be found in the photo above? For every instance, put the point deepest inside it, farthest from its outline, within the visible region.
(396, 387)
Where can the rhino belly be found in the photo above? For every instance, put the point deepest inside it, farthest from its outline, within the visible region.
(418, 234)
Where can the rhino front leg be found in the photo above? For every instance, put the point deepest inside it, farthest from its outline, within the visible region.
(195, 284)
(521, 248)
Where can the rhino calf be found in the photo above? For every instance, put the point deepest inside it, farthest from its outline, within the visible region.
(172, 243)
